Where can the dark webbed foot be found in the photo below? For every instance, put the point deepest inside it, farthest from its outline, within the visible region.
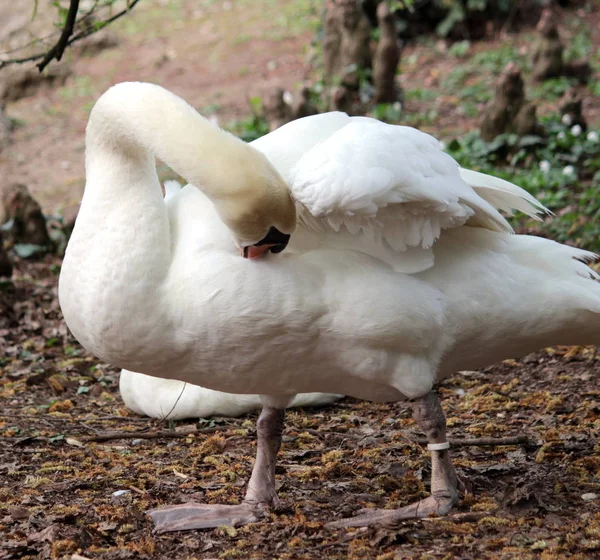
(427, 413)
(260, 496)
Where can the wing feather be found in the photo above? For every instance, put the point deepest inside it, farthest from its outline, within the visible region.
(394, 184)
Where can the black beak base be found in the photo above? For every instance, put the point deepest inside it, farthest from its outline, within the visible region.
(276, 239)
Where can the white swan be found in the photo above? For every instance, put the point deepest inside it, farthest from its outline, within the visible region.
(400, 271)
(176, 400)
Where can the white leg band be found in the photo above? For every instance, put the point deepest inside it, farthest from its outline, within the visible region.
(438, 446)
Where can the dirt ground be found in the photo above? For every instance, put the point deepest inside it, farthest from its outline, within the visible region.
(72, 484)
(65, 490)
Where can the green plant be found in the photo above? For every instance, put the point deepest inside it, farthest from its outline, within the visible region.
(561, 168)
(553, 88)
(494, 60)
(387, 112)
(456, 78)
(420, 94)
(460, 49)
(459, 11)
(580, 45)
(253, 127)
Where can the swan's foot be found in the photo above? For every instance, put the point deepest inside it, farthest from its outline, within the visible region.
(427, 413)
(185, 517)
(434, 505)
(260, 498)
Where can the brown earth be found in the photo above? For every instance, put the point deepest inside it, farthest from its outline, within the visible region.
(540, 499)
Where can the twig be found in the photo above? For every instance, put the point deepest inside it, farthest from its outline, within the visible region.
(59, 48)
(109, 418)
(106, 436)
(175, 403)
(69, 41)
(486, 442)
(19, 450)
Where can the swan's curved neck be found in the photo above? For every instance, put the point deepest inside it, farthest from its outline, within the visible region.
(133, 121)
(119, 254)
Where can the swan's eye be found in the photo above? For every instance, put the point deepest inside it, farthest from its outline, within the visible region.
(274, 241)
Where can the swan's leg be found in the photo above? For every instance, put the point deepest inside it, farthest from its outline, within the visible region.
(260, 495)
(428, 414)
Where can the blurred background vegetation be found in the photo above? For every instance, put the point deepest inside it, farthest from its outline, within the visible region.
(510, 87)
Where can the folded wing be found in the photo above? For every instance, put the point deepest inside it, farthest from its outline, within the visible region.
(394, 185)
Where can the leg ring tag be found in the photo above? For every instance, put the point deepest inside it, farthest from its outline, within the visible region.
(438, 446)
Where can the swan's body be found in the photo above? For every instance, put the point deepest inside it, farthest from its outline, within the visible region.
(176, 400)
(401, 269)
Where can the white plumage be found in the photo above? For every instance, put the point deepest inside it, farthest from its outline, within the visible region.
(401, 270)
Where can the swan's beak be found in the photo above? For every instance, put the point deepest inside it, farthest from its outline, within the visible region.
(274, 241)
(254, 252)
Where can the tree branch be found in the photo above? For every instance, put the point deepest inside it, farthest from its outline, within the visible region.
(59, 48)
(486, 442)
(157, 434)
(67, 38)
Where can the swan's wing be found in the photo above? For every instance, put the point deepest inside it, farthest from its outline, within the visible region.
(394, 184)
(285, 146)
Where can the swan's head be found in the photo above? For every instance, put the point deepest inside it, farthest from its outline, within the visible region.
(259, 209)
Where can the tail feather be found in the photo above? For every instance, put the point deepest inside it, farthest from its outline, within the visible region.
(503, 195)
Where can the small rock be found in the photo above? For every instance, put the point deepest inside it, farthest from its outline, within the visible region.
(589, 497)
(118, 493)
(29, 223)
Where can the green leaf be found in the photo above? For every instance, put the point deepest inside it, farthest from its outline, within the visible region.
(26, 250)
(531, 140)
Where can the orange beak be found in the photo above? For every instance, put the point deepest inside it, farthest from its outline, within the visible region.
(254, 252)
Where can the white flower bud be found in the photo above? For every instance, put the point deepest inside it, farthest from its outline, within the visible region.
(545, 166)
(567, 120)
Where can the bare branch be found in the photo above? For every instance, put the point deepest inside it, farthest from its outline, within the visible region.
(106, 436)
(487, 442)
(66, 37)
(59, 48)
